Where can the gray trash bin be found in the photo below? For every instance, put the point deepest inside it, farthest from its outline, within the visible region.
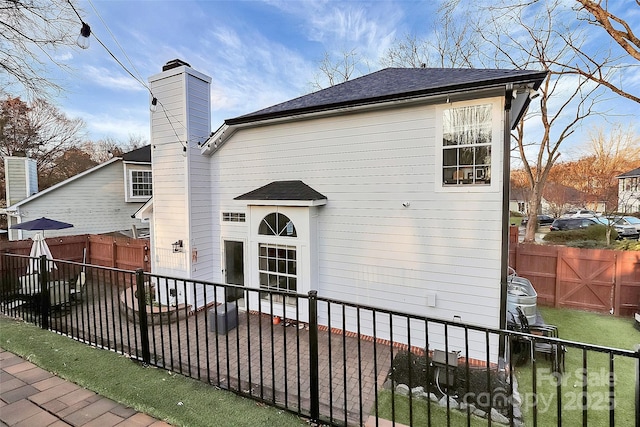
(223, 318)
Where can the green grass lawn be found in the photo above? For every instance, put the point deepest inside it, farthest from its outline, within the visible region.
(591, 328)
(580, 326)
(179, 400)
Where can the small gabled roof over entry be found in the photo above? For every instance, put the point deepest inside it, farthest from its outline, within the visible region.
(284, 193)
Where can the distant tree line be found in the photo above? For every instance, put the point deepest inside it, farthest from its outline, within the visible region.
(591, 179)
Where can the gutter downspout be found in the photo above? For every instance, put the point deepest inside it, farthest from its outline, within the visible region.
(506, 176)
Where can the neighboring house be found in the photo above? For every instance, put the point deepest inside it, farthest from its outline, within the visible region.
(389, 190)
(556, 200)
(629, 191)
(99, 200)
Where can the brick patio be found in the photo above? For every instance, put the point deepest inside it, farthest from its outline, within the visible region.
(31, 396)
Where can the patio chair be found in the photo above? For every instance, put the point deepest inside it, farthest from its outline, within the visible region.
(552, 351)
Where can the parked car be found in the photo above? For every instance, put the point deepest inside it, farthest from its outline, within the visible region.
(579, 213)
(624, 231)
(561, 224)
(542, 220)
(628, 220)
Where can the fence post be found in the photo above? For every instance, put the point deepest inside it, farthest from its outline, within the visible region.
(114, 254)
(637, 385)
(45, 300)
(142, 316)
(314, 382)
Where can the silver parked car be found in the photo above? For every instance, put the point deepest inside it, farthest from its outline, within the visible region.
(624, 231)
(579, 213)
(627, 220)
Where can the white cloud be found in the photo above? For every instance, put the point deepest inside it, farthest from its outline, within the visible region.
(64, 57)
(118, 127)
(369, 27)
(114, 78)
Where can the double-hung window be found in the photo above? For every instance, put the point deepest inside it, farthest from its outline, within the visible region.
(277, 263)
(141, 183)
(466, 145)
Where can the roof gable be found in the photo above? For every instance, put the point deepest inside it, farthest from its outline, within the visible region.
(394, 84)
(64, 183)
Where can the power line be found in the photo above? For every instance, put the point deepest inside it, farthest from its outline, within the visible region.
(120, 46)
(86, 31)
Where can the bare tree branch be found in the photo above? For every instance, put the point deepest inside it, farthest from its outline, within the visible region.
(623, 35)
(338, 70)
(31, 32)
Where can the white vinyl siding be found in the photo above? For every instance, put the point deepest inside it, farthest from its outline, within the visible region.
(181, 185)
(94, 203)
(369, 247)
(21, 178)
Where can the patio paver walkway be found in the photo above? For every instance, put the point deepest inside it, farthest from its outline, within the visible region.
(31, 396)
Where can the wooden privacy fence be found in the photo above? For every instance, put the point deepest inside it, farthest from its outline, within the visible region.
(599, 280)
(103, 250)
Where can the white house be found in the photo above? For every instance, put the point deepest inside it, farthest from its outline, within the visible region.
(100, 200)
(389, 190)
(629, 191)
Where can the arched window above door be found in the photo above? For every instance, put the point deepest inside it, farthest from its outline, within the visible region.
(277, 224)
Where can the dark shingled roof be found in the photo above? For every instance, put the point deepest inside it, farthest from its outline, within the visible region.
(635, 172)
(283, 190)
(142, 154)
(394, 84)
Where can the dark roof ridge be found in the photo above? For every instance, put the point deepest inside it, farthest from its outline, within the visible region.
(393, 84)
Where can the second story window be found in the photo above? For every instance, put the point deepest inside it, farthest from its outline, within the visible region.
(141, 184)
(466, 145)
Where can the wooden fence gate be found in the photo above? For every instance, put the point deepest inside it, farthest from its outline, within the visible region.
(585, 282)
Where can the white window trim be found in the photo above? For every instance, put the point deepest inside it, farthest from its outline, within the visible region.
(232, 213)
(300, 218)
(130, 196)
(496, 148)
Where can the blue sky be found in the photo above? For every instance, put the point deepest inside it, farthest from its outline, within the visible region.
(258, 53)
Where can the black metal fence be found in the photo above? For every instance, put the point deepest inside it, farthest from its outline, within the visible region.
(331, 361)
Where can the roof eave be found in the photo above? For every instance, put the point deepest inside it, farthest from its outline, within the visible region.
(297, 203)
